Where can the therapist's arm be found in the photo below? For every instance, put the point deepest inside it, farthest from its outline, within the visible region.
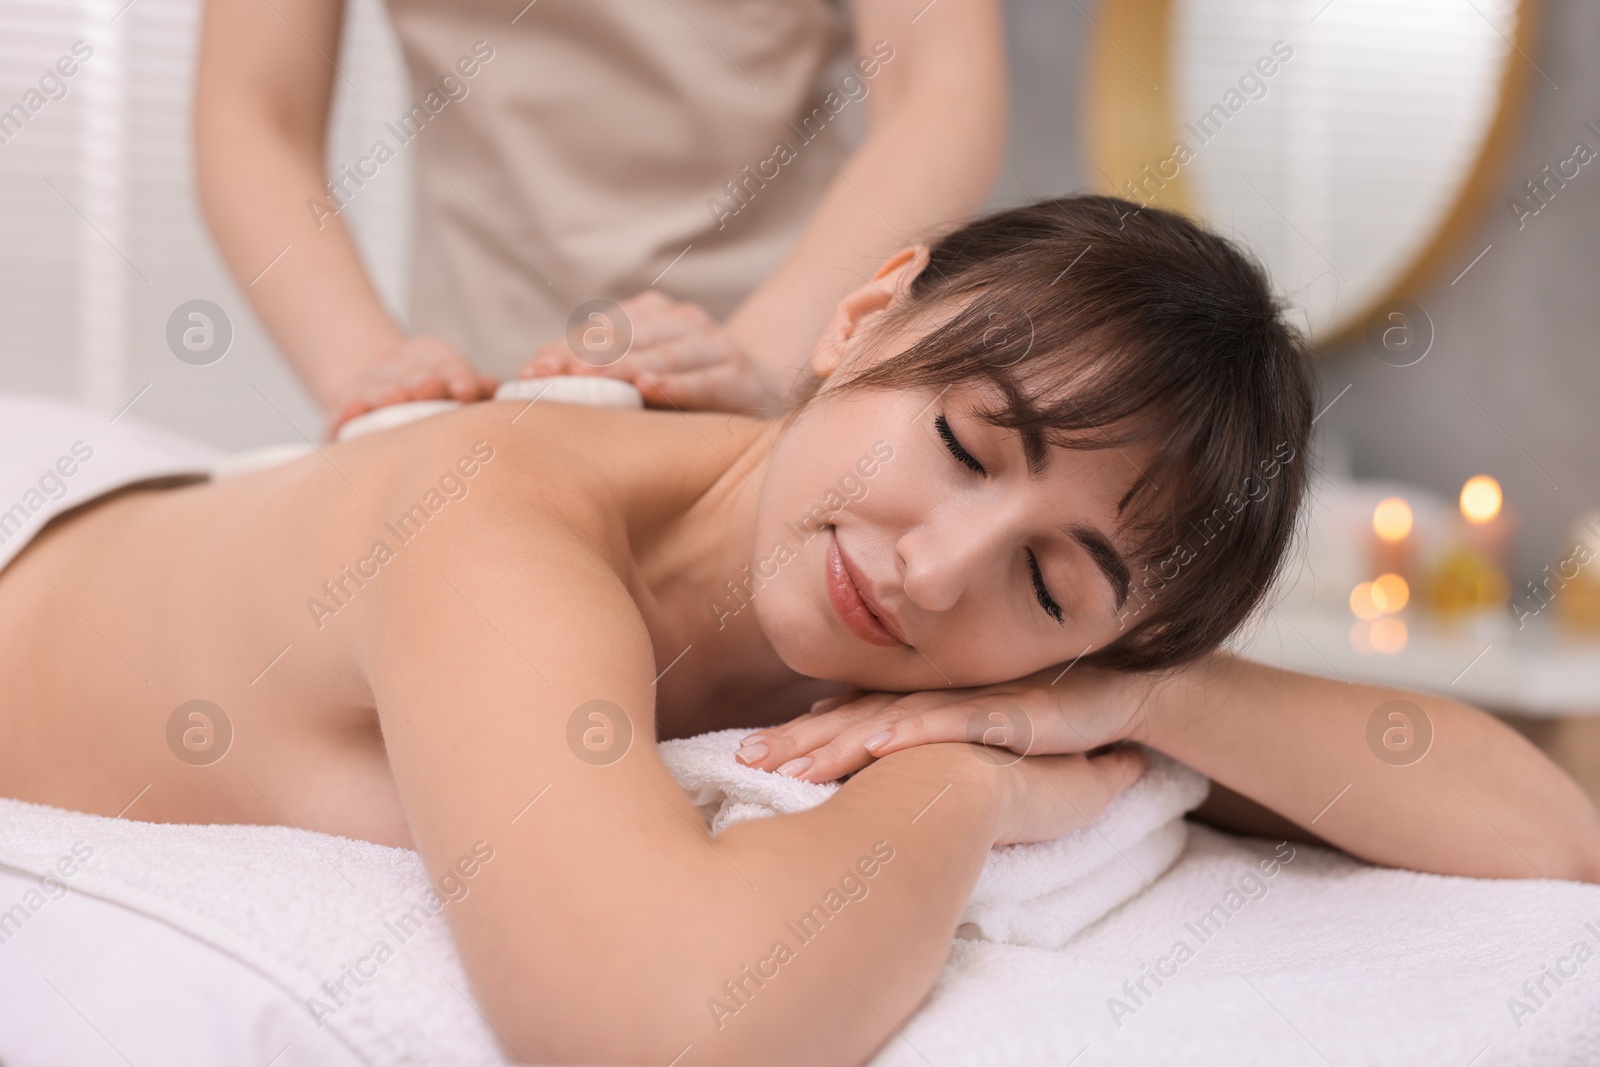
(263, 92)
(936, 125)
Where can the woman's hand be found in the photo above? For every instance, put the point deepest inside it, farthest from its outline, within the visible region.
(1051, 796)
(678, 356)
(420, 368)
(1051, 711)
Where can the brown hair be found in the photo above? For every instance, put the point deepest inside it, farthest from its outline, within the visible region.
(1102, 324)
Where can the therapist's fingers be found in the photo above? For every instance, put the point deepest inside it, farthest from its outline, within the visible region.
(548, 360)
(422, 368)
(424, 386)
(459, 382)
(720, 387)
(667, 356)
(676, 375)
(467, 385)
(653, 319)
(449, 379)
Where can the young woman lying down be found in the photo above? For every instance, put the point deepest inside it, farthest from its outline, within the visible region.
(970, 532)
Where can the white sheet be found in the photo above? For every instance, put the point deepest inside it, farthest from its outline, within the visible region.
(1339, 963)
(93, 984)
(55, 455)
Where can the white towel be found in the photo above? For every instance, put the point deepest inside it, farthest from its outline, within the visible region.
(301, 908)
(1038, 894)
(56, 455)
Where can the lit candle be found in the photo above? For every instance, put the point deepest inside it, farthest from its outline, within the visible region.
(1471, 574)
(1392, 545)
(1489, 523)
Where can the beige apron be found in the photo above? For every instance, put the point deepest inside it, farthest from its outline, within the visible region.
(592, 144)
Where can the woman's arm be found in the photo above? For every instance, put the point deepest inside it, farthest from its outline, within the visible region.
(608, 925)
(262, 96)
(936, 128)
(1481, 800)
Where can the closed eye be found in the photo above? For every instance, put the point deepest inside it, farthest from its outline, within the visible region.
(950, 442)
(1040, 591)
(1046, 601)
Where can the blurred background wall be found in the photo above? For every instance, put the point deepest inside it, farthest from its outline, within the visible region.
(100, 241)
(1519, 333)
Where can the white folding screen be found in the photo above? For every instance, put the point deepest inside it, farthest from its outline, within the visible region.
(100, 233)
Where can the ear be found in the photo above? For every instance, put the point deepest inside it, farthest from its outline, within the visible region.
(888, 284)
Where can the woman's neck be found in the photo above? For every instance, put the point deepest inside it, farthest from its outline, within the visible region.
(718, 668)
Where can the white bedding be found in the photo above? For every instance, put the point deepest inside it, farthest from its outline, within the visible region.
(1338, 963)
(1322, 960)
(84, 982)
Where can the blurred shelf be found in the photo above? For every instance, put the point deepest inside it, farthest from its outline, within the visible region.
(1538, 671)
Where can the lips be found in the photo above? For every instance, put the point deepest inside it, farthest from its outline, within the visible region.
(845, 594)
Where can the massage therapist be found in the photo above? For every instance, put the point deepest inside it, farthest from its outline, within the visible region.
(690, 160)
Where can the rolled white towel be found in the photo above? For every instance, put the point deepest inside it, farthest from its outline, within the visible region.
(1038, 894)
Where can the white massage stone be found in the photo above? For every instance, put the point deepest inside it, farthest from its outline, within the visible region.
(574, 389)
(394, 415)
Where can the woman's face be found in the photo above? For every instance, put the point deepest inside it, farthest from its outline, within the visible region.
(902, 543)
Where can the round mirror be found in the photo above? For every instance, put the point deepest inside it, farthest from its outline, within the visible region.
(1345, 142)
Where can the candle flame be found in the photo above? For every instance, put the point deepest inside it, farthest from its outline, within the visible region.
(1480, 498)
(1391, 520)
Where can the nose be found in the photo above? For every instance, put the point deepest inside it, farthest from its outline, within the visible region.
(941, 557)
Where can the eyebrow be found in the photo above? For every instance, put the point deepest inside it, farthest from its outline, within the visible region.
(1105, 557)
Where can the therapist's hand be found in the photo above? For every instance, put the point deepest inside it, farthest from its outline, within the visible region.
(423, 367)
(1080, 710)
(679, 356)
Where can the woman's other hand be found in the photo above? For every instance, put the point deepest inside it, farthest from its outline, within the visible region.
(1052, 711)
(673, 351)
(1051, 796)
(420, 368)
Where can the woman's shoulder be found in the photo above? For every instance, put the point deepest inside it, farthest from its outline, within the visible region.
(489, 472)
(468, 474)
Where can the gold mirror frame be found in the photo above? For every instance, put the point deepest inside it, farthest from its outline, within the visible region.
(1130, 123)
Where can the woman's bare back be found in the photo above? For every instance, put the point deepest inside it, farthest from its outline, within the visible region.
(239, 594)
